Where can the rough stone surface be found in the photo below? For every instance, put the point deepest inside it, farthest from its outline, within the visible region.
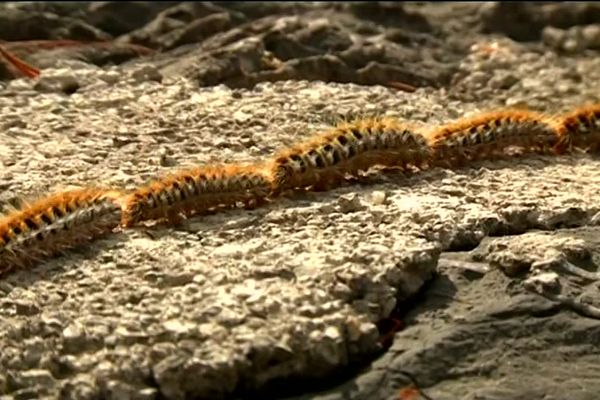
(239, 46)
(490, 270)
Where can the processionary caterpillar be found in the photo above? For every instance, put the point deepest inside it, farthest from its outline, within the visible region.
(51, 225)
(61, 221)
(489, 135)
(196, 190)
(348, 148)
(580, 128)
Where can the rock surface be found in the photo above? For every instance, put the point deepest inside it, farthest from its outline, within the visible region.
(489, 269)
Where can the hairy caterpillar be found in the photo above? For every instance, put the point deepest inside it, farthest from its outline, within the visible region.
(51, 225)
(580, 128)
(196, 190)
(348, 148)
(489, 135)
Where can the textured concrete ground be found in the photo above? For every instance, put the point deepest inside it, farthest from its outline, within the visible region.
(284, 301)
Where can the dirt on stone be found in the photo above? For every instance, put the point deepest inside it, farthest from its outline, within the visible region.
(472, 283)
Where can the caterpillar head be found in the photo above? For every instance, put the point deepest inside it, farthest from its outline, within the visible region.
(133, 208)
(281, 175)
(286, 167)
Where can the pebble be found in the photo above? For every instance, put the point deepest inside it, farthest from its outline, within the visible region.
(573, 39)
(479, 78)
(34, 351)
(26, 308)
(178, 327)
(74, 338)
(32, 393)
(146, 73)
(241, 116)
(121, 390)
(349, 203)
(66, 84)
(178, 279)
(572, 45)
(554, 37)
(545, 280)
(36, 377)
(327, 350)
(591, 36)
(79, 389)
(127, 337)
(111, 77)
(333, 333)
(378, 197)
(503, 80)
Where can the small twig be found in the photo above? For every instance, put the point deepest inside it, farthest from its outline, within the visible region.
(479, 267)
(20, 65)
(28, 45)
(401, 86)
(560, 262)
(585, 310)
(544, 286)
(575, 270)
(39, 44)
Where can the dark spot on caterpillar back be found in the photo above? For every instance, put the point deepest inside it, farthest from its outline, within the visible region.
(30, 223)
(356, 133)
(46, 219)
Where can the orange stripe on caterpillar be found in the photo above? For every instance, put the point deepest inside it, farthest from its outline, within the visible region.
(579, 128)
(197, 190)
(346, 149)
(490, 135)
(51, 225)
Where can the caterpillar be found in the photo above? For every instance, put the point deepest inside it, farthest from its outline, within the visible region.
(51, 225)
(489, 135)
(325, 159)
(196, 190)
(61, 221)
(580, 128)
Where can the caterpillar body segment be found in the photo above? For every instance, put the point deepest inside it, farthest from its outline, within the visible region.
(580, 129)
(490, 135)
(197, 190)
(351, 147)
(52, 225)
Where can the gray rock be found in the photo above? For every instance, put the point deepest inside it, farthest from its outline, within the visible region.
(36, 377)
(302, 287)
(591, 36)
(503, 81)
(66, 84)
(554, 37)
(350, 203)
(146, 73)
